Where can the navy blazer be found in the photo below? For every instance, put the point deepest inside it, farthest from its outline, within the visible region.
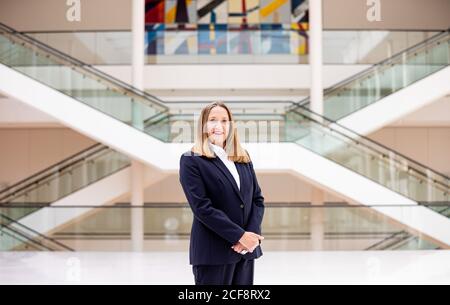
(222, 212)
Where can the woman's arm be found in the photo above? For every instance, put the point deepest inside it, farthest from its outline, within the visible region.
(257, 214)
(201, 205)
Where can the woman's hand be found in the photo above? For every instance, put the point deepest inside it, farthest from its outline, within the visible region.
(249, 241)
(239, 248)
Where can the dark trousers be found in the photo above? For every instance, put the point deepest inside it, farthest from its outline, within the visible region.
(240, 273)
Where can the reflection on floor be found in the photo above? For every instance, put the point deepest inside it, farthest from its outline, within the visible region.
(406, 267)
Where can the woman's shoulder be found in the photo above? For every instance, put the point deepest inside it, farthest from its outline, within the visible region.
(193, 161)
(188, 154)
(191, 157)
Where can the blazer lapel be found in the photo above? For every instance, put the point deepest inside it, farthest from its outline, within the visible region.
(217, 162)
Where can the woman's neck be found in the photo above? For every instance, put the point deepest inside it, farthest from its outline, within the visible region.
(221, 145)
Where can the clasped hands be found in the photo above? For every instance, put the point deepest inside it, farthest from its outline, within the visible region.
(248, 243)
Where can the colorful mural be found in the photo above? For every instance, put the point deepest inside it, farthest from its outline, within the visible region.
(212, 39)
(212, 12)
(275, 11)
(181, 12)
(154, 11)
(221, 27)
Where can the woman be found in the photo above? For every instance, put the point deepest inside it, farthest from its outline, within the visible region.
(220, 185)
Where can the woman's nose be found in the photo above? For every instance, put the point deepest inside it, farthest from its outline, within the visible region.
(218, 128)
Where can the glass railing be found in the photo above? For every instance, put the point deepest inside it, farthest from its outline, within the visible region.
(366, 157)
(14, 236)
(286, 226)
(401, 241)
(12, 240)
(62, 179)
(313, 132)
(98, 161)
(268, 46)
(386, 77)
(89, 86)
(66, 177)
(442, 208)
(78, 80)
(252, 127)
(237, 107)
(368, 46)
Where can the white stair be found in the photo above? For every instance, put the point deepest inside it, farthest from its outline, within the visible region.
(399, 104)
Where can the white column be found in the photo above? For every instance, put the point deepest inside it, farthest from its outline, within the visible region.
(137, 201)
(138, 32)
(317, 224)
(137, 168)
(315, 55)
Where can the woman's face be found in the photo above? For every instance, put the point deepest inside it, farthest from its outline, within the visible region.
(218, 126)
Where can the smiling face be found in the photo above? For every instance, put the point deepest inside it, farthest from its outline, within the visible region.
(218, 126)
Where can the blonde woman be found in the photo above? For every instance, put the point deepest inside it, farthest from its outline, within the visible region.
(220, 185)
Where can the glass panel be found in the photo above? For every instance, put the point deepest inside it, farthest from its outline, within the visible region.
(14, 241)
(98, 162)
(387, 77)
(213, 46)
(73, 78)
(14, 236)
(62, 179)
(286, 227)
(366, 157)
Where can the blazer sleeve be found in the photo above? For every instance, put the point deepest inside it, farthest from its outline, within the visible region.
(257, 214)
(194, 189)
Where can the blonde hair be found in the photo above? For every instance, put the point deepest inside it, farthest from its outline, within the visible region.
(232, 144)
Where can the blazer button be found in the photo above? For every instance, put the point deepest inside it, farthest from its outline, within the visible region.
(242, 206)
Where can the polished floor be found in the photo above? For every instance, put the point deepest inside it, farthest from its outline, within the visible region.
(402, 267)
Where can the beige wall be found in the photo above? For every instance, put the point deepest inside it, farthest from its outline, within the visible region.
(395, 14)
(45, 15)
(50, 15)
(26, 151)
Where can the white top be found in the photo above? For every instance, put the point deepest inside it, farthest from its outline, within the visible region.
(222, 154)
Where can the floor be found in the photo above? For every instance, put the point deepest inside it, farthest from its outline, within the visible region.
(415, 267)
